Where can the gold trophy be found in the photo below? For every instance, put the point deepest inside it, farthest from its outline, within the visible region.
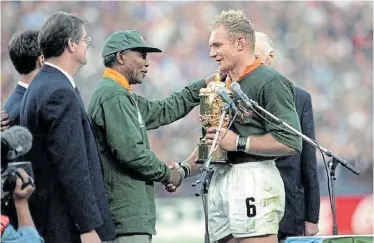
(211, 106)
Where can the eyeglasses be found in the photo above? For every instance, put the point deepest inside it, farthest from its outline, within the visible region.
(87, 40)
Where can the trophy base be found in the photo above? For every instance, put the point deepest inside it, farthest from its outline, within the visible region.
(218, 157)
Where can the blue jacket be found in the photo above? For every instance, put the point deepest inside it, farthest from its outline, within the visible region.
(24, 234)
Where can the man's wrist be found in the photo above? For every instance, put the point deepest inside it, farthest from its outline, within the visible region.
(243, 144)
(21, 203)
(186, 169)
(248, 145)
(180, 170)
(237, 141)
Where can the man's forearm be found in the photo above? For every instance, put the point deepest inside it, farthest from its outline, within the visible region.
(267, 145)
(23, 213)
(161, 112)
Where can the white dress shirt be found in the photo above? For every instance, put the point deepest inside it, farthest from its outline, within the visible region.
(65, 73)
(25, 85)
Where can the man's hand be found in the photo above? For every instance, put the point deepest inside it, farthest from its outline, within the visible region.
(227, 143)
(4, 121)
(175, 178)
(90, 237)
(212, 77)
(190, 162)
(170, 187)
(23, 194)
(311, 229)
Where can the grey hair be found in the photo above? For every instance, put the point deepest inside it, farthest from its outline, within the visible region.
(237, 25)
(268, 43)
(110, 60)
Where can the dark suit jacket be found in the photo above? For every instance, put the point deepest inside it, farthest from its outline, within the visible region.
(13, 104)
(299, 173)
(69, 198)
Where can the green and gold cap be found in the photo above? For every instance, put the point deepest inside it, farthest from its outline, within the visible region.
(126, 39)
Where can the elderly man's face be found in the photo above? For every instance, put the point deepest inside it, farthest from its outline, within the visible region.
(263, 53)
(135, 66)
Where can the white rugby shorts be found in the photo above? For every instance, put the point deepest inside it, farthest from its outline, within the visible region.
(245, 200)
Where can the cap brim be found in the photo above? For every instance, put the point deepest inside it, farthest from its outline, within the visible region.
(146, 49)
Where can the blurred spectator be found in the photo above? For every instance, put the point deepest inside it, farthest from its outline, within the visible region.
(326, 49)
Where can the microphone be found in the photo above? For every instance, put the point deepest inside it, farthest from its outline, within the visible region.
(223, 94)
(235, 88)
(15, 141)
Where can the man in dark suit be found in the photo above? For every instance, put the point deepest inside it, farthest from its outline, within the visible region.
(27, 59)
(70, 204)
(299, 172)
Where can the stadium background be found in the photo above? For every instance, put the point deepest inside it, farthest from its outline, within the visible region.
(324, 47)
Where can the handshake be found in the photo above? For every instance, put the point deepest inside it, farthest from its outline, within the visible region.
(178, 171)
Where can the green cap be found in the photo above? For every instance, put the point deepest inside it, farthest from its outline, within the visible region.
(126, 39)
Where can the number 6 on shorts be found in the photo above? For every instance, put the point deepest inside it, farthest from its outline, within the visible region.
(251, 207)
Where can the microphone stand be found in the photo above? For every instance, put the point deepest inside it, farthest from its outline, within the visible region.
(335, 160)
(203, 183)
(332, 166)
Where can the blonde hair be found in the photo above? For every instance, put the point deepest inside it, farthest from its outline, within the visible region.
(269, 46)
(237, 25)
